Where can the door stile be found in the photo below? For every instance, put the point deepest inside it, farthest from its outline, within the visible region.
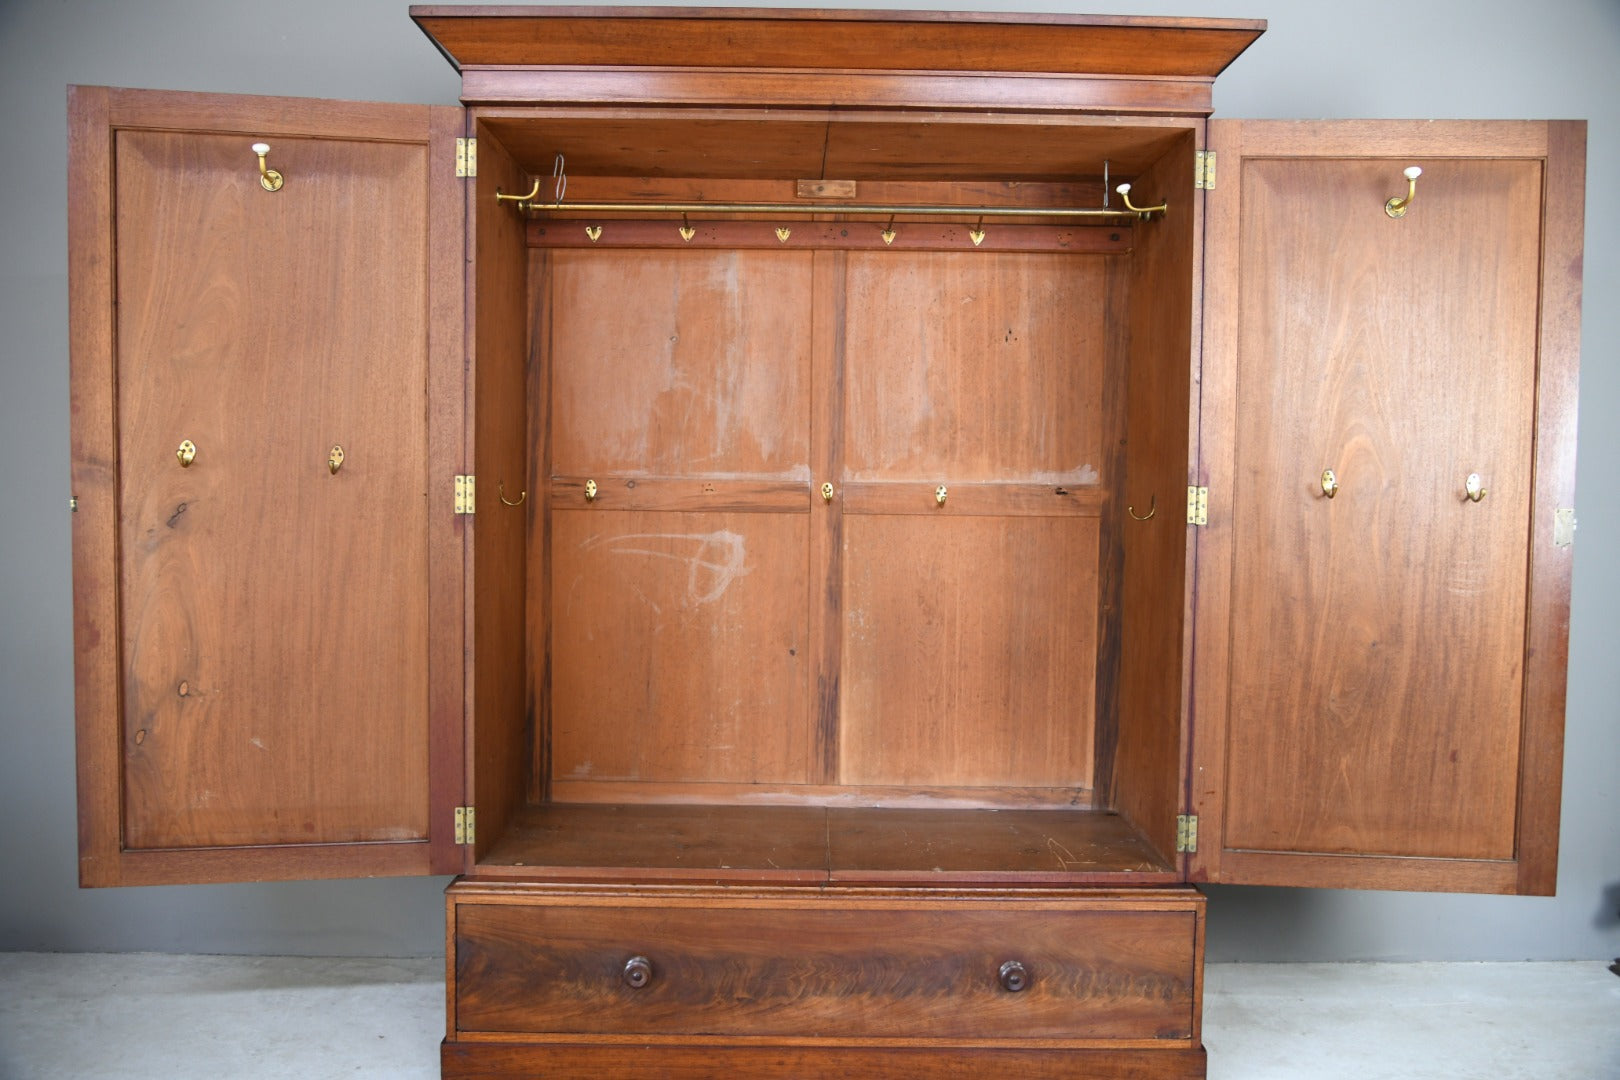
(447, 396)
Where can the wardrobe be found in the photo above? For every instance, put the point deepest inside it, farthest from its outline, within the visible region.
(829, 523)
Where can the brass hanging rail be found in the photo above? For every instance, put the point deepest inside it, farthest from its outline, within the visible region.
(526, 204)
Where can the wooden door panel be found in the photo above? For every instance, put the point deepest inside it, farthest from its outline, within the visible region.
(969, 651)
(679, 649)
(266, 595)
(274, 689)
(1364, 703)
(1381, 630)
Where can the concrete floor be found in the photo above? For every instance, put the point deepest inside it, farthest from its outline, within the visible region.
(88, 1016)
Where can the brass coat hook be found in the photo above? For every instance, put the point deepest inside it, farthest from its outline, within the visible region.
(1125, 194)
(186, 454)
(520, 199)
(269, 179)
(1474, 487)
(1153, 508)
(334, 460)
(590, 491)
(500, 489)
(939, 495)
(1396, 206)
(1330, 483)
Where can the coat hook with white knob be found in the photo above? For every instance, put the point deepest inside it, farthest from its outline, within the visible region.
(1396, 206)
(1125, 194)
(269, 179)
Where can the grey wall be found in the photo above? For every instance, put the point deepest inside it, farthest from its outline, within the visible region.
(1376, 58)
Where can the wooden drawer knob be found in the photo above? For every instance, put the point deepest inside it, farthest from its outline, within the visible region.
(637, 972)
(1013, 976)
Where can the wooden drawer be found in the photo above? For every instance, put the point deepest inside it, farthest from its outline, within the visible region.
(1113, 969)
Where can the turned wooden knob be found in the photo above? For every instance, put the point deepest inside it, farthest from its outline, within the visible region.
(1013, 977)
(637, 972)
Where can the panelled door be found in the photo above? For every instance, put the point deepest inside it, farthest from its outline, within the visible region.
(1389, 422)
(267, 419)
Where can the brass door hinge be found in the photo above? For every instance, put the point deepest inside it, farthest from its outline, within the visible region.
(465, 821)
(1186, 833)
(1198, 506)
(466, 494)
(1204, 170)
(466, 158)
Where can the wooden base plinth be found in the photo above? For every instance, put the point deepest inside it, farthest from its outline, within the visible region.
(579, 1061)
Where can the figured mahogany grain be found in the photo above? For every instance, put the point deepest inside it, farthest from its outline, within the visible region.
(274, 620)
(928, 970)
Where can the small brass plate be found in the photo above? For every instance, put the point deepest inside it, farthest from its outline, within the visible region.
(825, 189)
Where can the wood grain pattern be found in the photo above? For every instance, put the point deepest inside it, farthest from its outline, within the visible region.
(1546, 665)
(275, 625)
(680, 364)
(717, 496)
(974, 367)
(969, 650)
(1383, 630)
(560, 841)
(1149, 757)
(93, 431)
(389, 146)
(913, 796)
(762, 844)
(1053, 94)
(1435, 706)
(909, 233)
(679, 646)
(1095, 976)
(824, 592)
(926, 41)
(572, 1060)
(447, 547)
(974, 500)
(497, 366)
(1076, 190)
(739, 147)
(1027, 847)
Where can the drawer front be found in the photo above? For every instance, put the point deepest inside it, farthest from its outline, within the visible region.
(1079, 972)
